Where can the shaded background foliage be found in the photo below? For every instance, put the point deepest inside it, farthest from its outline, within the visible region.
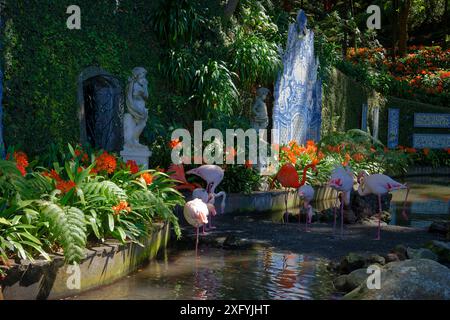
(204, 58)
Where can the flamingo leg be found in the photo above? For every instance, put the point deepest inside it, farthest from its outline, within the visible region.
(334, 215)
(379, 218)
(405, 216)
(286, 214)
(196, 244)
(306, 206)
(204, 230)
(342, 218)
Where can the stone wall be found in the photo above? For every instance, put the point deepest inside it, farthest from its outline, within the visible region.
(102, 266)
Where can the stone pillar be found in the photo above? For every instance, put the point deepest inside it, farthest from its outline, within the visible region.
(141, 156)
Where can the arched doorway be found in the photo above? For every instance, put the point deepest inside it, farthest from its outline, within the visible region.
(101, 109)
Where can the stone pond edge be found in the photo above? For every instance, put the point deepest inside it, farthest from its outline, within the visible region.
(102, 265)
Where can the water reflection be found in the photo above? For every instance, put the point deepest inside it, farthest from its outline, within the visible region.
(429, 200)
(219, 274)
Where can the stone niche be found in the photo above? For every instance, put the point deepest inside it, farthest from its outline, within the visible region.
(101, 108)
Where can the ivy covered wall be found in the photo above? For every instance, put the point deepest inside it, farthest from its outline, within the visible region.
(342, 108)
(42, 60)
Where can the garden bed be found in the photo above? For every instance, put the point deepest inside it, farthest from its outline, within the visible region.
(101, 266)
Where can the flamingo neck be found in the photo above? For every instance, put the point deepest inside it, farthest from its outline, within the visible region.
(305, 169)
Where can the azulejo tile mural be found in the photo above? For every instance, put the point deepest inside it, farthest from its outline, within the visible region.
(432, 120)
(433, 141)
(393, 127)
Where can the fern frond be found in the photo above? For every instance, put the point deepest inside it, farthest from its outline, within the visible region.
(68, 226)
(108, 189)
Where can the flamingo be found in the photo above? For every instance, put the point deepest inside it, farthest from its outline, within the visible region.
(212, 174)
(177, 173)
(307, 193)
(196, 214)
(379, 184)
(210, 199)
(288, 177)
(342, 181)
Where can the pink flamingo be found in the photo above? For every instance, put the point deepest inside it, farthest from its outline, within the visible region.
(209, 199)
(307, 193)
(380, 184)
(342, 181)
(288, 177)
(176, 172)
(212, 174)
(196, 214)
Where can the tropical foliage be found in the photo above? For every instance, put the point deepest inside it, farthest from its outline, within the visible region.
(87, 197)
(354, 148)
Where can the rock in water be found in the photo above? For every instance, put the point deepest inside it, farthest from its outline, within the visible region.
(351, 262)
(442, 249)
(417, 279)
(440, 226)
(421, 253)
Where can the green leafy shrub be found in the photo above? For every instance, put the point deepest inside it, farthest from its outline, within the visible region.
(240, 179)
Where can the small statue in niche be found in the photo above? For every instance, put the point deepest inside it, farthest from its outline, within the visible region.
(135, 120)
(260, 119)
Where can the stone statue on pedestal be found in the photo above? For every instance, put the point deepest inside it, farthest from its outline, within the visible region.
(135, 120)
(260, 119)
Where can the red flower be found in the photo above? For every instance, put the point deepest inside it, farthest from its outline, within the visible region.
(65, 186)
(358, 157)
(132, 166)
(174, 143)
(426, 151)
(106, 162)
(53, 175)
(248, 164)
(21, 160)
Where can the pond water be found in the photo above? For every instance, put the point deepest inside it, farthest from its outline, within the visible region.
(223, 274)
(428, 200)
(262, 273)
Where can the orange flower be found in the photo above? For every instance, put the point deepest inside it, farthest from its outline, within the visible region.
(372, 149)
(448, 150)
(65, 186)
(285, 149)
(292, 158)
(53, 175)
(174, 143)
(122, 206)
(445, 75)
(132, 166)
(411, 150)
(230, 154)
(147, 177)
(106, 162)
(358, 157)
(426, 151)
(346, 160)
(248, 164)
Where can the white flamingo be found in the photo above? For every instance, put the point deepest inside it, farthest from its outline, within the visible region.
(212, 174)
(196, 214)
(342, 181)
(307, 193)
(210, 200)
(380, 184)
